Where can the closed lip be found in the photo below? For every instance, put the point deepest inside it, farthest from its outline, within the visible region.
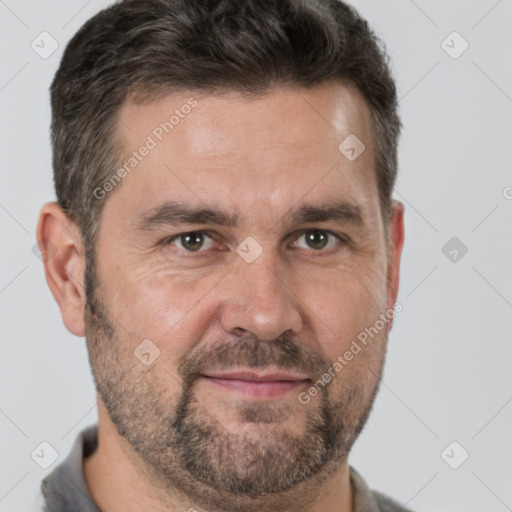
(253, 376)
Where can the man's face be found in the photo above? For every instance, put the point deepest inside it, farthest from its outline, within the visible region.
(246, 315)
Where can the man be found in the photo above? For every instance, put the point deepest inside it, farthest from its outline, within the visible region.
(226, 241)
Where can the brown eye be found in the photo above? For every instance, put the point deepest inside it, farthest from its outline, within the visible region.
(191, 242)
(318, 239)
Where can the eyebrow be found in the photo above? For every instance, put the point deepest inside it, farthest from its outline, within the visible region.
(172, 213)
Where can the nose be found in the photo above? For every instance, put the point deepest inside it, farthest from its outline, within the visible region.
(258, 299)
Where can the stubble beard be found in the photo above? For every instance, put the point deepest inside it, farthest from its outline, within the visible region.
(185, 450)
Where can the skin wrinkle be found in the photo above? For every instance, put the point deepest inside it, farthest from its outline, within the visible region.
(186, 441)
(245, 107)
(190, 438)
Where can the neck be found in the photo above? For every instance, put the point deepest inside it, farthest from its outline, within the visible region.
(116, 482)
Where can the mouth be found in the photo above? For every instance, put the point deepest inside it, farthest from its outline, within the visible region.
(257, 385)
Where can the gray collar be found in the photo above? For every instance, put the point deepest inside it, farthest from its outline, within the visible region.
(65, 490)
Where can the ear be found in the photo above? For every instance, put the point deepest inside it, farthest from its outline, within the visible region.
(63, 256)
(396, 242)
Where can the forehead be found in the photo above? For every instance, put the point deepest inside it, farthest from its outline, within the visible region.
(221, 119)
(244, 151)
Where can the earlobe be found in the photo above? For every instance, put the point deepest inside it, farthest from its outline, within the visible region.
(396, 242)
(62, 253)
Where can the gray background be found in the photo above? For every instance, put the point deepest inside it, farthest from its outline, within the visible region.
(448, 373)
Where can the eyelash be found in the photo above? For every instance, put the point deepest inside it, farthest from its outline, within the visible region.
(195, 254)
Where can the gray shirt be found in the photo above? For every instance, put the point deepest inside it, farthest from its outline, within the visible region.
(64, 489)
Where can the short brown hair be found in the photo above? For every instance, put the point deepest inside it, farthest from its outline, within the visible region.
(151, 47)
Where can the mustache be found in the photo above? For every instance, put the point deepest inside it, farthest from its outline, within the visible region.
(250, 351)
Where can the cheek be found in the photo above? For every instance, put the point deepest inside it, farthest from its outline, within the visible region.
(175, 307)
(341, 305)
(160, 304)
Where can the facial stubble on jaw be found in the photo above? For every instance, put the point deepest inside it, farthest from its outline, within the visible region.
(190, 450)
